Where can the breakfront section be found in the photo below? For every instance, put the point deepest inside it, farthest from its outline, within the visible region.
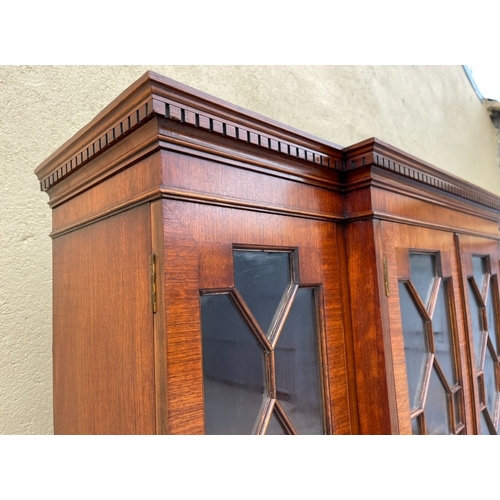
(216, 272)
(435, 251)
(198, 278)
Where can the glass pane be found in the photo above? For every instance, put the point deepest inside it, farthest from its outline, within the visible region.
(490, 382)
(457, 398)
(484, 426)
(443, 336)
(480, 386)
(436, 407)
(296, 357)
(478, 269)
(262, 278)
(233, 368)
(274, 428)
(423, 272)
(477, 324)
(415, 341)
(490, 310)
(415, 426)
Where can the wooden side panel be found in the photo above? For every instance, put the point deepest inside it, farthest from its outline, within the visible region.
(103, 328)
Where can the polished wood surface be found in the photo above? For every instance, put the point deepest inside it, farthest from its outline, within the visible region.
(365, 280)
(102, 333)
(170, 172)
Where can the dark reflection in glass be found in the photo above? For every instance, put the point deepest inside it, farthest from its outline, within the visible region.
(274, 428)
(457, 407)
(480, 385)
(477, 324)
(423, 272)
(415, 426)
(490, 311)
(479, 269)
(436, 407)
(415, 341)
(262, 278)
(297, 366)
(442, 335)
(233, 368)
(485, 431)
(490, 382)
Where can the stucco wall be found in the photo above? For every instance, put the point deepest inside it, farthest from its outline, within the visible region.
(431, 112)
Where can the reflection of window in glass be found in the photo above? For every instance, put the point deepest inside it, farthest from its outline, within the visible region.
(435, 393)
(482, 288)
(261, 368)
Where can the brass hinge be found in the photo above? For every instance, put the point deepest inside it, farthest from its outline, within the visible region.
(152, 276)
(386, 277)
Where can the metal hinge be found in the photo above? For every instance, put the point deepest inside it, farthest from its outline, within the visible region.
(152, 276)
(386, 277)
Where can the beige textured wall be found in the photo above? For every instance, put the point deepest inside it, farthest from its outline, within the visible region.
(431, 112)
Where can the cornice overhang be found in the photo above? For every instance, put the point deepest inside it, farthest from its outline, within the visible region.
(374, 152)
(155, 96)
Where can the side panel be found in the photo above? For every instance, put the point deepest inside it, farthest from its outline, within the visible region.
(103, 328)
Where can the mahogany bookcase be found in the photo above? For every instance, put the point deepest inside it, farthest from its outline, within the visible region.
(215, 271)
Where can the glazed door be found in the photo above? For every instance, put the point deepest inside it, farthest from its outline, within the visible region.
(428, 341)
(254, 320)
(479, 263)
